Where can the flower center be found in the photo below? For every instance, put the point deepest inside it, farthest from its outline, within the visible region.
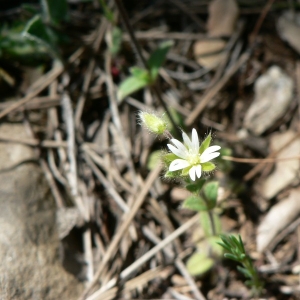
(193, 158)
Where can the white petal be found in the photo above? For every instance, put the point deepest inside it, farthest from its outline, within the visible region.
(179, 145)
(187, 140)
(211, 149)
(198, 170)
(178, 164)
(178, 152)
(195, 140)
(192, 173)
(207, 157)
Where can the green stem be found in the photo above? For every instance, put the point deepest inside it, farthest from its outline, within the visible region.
(136, 46)
(212, 222)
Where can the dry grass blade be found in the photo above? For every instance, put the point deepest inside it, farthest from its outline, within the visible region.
(38, 86)
(215, 89)
(147, 256)
(123, 228)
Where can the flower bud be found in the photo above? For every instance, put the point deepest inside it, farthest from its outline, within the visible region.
(153, 123)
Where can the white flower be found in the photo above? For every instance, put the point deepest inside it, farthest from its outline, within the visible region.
(190, 159)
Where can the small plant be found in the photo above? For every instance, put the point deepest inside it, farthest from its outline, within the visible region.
(188, 160)
(37, 37)
(236, 252)
(142, 77)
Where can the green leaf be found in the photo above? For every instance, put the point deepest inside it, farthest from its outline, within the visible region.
(226, 247)
(131, 85)
(205, 144)
(194, 203)
(109, 15)
(214, 241)
(241, 244)
(199, 263)
(208, 167)
(116, 41)
(153, 159)
(139, 72)
(244, 271)
(210, 192)
(37, 32)
(231, 256)
(55, 11)
(157, 58)
(195, 187)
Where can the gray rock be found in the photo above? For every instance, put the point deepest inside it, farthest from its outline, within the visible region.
(29, 245)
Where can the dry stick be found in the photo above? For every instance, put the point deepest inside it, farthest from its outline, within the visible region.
(55, 191)
(116, 119)
(123, 228)
(259, 160)
(183, 270)
(43, 82)
(114, 172)
(85, 88)
(118, 199)
(138, 263)
(298, 87)
(260, 166)
(260, 21)
(159, 35)
(36, 103)
(179, 264)
(137, 48)
(35, 142)
(212, 92)
(189, 13)
(133, 283)
(87, 79)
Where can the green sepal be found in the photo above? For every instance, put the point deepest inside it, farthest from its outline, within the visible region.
(185, 171)
(208, 167)
(168, 158)
(194, 203)
(173, 174)
(205, 144)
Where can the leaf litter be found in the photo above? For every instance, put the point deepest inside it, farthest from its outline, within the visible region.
(135, 239)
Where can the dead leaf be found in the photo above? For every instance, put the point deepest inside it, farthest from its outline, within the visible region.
(286, 172)
(209, 53)
(223, 15)
(288, 27)
(273, 95)
(281, 215)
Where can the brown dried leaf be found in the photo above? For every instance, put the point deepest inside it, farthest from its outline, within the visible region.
(273, 95)
(223, 15)
(278, 218)
(209, 53)
(286, 171)
(288, 27)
